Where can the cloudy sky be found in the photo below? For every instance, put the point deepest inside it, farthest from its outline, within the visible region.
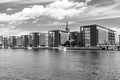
(23, 16)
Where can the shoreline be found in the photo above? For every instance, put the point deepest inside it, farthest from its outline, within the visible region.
(67, 48)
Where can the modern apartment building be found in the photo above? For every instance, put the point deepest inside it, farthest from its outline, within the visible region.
(25, 40)
(1, 41)
(5, 42)
(94, 35)
(57, 38)
(12, 41)
(34, 38)
(77, 37)
(19, 41)
(43, 39)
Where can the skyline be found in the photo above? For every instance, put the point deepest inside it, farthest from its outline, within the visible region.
(19, 17)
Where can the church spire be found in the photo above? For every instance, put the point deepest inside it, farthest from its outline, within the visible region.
(67, 27)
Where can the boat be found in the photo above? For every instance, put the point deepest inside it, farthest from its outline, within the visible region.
(29, 47)
(62, 48)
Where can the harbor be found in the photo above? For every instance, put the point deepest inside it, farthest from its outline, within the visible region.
(59, 39)
(43, 64)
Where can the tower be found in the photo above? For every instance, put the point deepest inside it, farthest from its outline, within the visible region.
(67, 27)
(119, 39)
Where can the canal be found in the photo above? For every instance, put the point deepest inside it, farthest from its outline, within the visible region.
(20, 64)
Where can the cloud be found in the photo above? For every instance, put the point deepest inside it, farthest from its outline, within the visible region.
(69, 9)
(108, 12)
(34, 1)
(12, 26)
(87, 1)
(6, 1)
(54, 10)
(35, 21)
(56, 23)
(25, 1)
(64, 3)
(1, 25)
(117, 1)
(11, 31)
(9, 9)
(26, 13)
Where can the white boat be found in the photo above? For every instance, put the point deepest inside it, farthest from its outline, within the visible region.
(62, 48)
(29, 47)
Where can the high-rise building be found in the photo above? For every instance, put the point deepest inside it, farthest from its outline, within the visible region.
(12, 41)
(94, 35)
(5, 42)
(19, 41)
(1, 41)
(43, 39)
(35, 39)
(57, 38)
(25, 40)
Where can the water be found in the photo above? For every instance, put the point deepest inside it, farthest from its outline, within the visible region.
(23, 64)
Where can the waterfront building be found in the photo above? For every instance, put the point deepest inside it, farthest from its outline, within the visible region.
(57, 38)
(25, 40)
(1, 41)
(19, 41)
(94, 35)
(5, 42)
(43, 39)
(77, 37)
(46, 39)
(34, 39)
(12, 41)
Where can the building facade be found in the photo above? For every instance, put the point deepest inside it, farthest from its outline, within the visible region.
(43, 39)
(76, 36)
(19, 41)
(12, 41)
(5, 42)
(25, 40)
(1, 41)
(57, 38)
(94, 35)
(34, 38)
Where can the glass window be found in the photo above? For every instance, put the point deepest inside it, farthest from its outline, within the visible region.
(87, 29)
(87, 35)
(87, 41)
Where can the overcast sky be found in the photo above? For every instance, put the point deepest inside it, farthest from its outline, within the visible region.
(23, 16)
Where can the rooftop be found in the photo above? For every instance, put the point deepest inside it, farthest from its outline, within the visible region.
(100, 27)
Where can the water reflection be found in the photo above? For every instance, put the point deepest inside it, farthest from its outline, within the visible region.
(59, 65)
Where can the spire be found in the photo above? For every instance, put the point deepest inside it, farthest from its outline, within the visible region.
(67, 24)
(67, 27)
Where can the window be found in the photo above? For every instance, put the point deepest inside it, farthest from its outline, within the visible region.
(87, 36)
